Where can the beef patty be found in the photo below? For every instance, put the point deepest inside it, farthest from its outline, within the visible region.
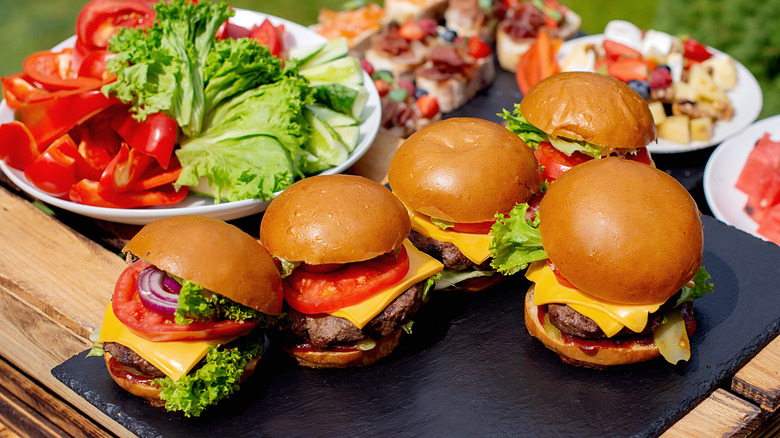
(447, 253)
(127, 356)
(323, 330)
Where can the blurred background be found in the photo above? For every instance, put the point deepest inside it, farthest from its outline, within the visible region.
(747, 30)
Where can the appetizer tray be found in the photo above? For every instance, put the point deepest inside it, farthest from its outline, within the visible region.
(471, 369)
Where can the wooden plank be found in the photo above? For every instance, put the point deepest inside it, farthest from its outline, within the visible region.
(54, 287)
(769, 429)
(49, 405)
(759, 379)
(722, 414)
(24, 420)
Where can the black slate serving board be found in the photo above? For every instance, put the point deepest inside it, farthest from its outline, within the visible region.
(471, 369)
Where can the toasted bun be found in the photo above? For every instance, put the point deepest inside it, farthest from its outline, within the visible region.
(622, 231)
(571, 353)
(463, 170)
(591, 107)
(346, 359)
(334, 219)
(152, 393)
(215, 255)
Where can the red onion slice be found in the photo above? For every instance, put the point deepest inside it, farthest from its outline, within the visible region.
(155, 288)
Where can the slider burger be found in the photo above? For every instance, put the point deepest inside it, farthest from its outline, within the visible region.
(615, 259)
(569, 118)
(352, 282)
(454, 176)
(185, 325)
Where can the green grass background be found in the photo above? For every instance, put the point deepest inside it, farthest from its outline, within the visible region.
(749, 31)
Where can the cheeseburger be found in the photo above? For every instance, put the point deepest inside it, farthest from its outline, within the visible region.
(185, 325)
(569, 118)
(352, 282)
(615, 259)
(454, 176)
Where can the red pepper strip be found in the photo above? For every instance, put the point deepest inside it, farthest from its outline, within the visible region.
(156, 177)
(86, 192)
(55, 71)
(49, 119)
(17, 145)
(56, 169)
(125, 168)
(155, 136)
(97, 143)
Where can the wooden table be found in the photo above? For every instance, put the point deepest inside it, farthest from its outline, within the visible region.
(56, 274)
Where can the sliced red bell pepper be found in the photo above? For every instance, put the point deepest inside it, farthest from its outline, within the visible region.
(97, 142)
(86, 192)
(156, 176)
(50, 118)
(155, 136)
(57, 168)
(17, 145)
(55, 71)
(125, 168)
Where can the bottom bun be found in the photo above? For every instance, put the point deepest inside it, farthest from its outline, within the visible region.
(148, 392)
(593, 357)
(314, 358)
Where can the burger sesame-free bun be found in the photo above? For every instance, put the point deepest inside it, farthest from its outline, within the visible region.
(601, 357)
(215, 255)
(313, 358)
(334, 219)
(463, 170)
(590, 107)
(622, 231)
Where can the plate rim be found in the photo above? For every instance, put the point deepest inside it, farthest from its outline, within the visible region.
(369, 128)
(746, 80)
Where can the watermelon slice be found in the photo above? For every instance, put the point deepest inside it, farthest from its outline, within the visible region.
(770, 225)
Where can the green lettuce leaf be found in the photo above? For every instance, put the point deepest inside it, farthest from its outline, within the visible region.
(217, 379)
(702, 286)
(530, 134)
(251, 145)
(160, 69)
(448, 279)
(516, 242)
(196, 303)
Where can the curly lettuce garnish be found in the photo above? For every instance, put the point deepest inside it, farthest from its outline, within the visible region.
(516, 242)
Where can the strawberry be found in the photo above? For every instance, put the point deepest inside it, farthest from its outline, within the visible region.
(695, 51)
(627, 69)
(478, 48)
(382, 87)
(428, 105)
(411, 30)
(614, 50)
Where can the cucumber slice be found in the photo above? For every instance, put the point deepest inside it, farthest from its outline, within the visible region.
(342, 98)
(345, 71)
(324, 143)
(331, 117)
(349, 135)
(310, 57)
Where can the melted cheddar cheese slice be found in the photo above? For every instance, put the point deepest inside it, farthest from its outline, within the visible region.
(421, 266)
(474, 246)
(610, 317)
(174, 358)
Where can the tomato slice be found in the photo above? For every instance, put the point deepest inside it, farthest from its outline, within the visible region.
(555, 162)
(55, 71)
(99, 20)
(155, 327)
(311, 292)
(270, 36)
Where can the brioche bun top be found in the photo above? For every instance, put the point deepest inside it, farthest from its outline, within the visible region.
(215, 255)
(334, 219)
(463, 170)
(590, 107)
(622, 231)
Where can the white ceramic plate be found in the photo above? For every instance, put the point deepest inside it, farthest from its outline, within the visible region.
(723, 169)
(296, 35)
(746, 98)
